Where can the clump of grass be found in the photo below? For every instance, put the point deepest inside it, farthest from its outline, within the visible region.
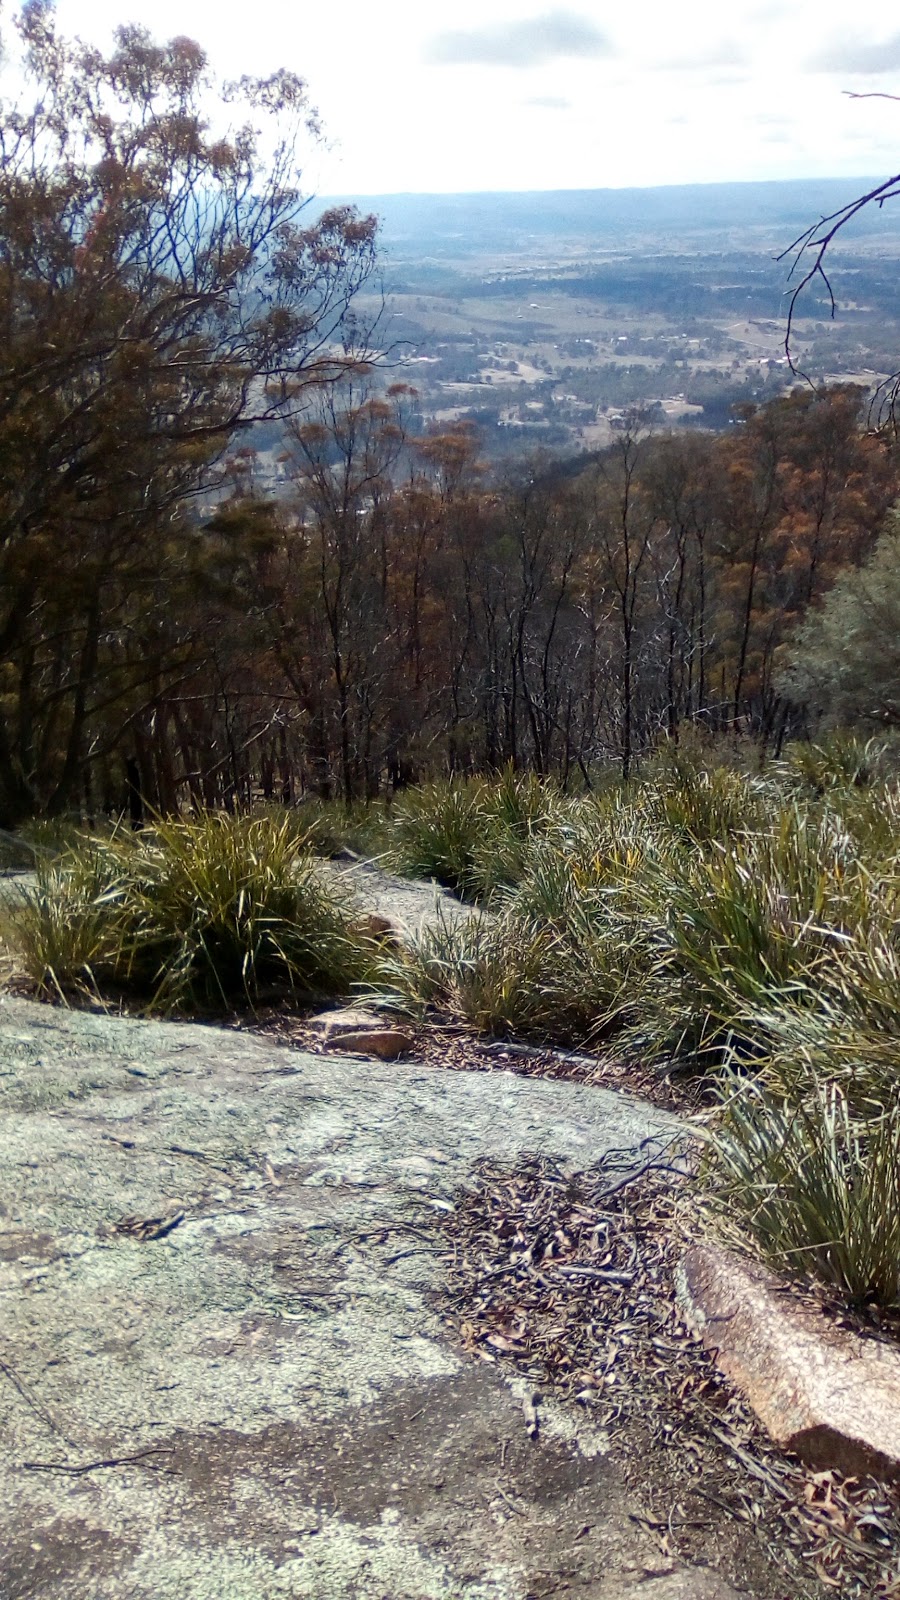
(839, 761)
(474, 837)
(327, 827)
(563, 956)
(705, 807)
(816, 1188)
(487, 974)
(60, 928)
(507, 977)
(198, 914)
(765, 922)
(439, 831)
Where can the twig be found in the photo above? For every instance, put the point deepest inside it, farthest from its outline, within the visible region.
(415, 1250)
(595, 1272)
(641, 1172)
(817, 239)
(95, 1466)
(33, 1404)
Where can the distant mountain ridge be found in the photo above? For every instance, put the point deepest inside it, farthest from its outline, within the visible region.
(471, 223)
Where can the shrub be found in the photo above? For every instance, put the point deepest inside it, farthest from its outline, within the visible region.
(840, 761)
(327, 827)
(704, 808)
(62, 927)
(565, 956)
(817, 1189)
(439, 832)
(487, 974)
(197, 913)
(508, 978)
(752, 926)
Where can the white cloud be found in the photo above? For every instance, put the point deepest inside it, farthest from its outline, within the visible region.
(859, 58)
(556, 94)
(549, 102)
(531, 42)
(726, 53)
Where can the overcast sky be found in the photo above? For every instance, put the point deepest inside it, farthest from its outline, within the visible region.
(494, 94)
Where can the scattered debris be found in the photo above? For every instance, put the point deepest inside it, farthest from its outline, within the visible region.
(611, 1339)
(450, 1046)
(147, 1228)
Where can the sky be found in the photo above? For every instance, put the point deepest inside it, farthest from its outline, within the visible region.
(519, 94)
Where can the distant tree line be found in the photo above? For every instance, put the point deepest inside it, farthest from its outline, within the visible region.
(403, 613)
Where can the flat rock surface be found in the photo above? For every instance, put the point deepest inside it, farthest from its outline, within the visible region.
(411, 905)
(264, 1402)
(820, 1390)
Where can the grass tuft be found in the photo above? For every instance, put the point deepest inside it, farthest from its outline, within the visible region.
(816, 1188)
(198, 914)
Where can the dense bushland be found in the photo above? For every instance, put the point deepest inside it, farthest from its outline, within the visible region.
(399, 613)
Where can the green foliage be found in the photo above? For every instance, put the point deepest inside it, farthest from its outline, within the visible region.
(817, 1189)
(841, 760)
(692, 914)
(471, 835)
(439, 832)
(197, 914)
(719, 921)
(749, 924)
(705, 807)
(844, 659)
(61, 931)
(327, 827)
(513, 976)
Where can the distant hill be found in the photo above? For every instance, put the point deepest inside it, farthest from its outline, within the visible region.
(470, 224)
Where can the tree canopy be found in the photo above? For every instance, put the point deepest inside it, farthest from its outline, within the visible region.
(162, 286)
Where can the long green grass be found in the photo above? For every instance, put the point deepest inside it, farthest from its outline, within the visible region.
(816, 1187)
(714, 921)
(690, 912)
(194, 915)
(471, 835)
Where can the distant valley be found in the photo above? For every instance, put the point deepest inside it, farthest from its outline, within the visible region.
(544, 317)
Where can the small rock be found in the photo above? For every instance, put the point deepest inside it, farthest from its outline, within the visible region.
(347, 1020)
(819, 1390)
(379, 926)
(387, 1043)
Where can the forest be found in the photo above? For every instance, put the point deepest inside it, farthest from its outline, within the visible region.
(401, 613)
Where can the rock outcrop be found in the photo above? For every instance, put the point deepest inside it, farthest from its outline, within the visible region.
(820, 1390)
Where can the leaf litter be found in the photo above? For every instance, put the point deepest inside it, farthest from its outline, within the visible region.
(569, 1278)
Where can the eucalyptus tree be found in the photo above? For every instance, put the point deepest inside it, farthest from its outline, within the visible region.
(163, 286)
